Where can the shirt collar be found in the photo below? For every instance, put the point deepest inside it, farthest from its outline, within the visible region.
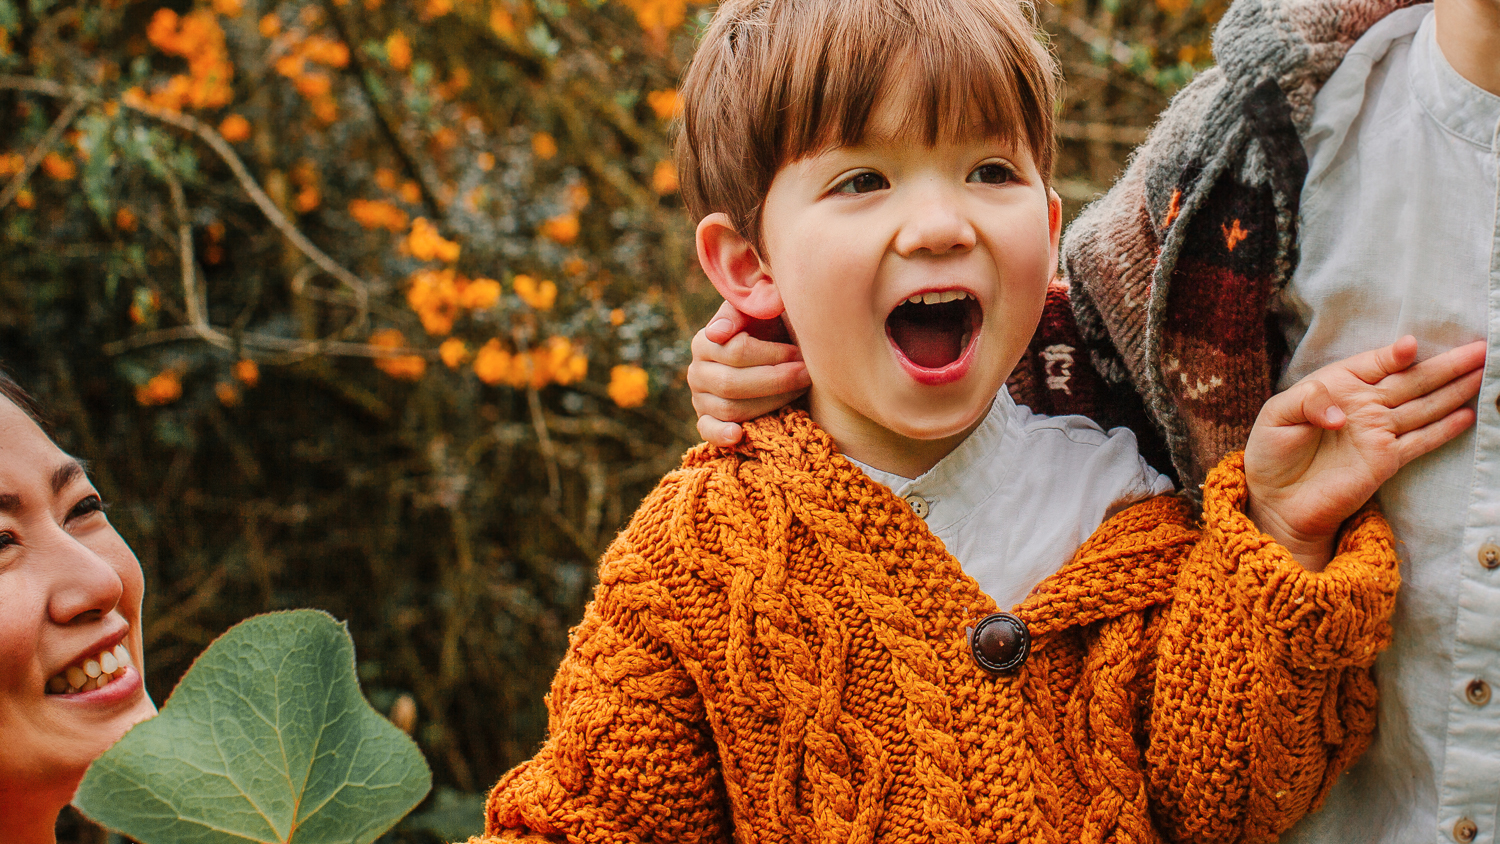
(967, 476)
(1458, 105)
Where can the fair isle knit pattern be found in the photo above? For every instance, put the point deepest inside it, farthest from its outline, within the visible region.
(1173, 273)
(776, 652)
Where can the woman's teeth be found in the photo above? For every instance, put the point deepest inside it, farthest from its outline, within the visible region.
(93, 672)
(937, 298)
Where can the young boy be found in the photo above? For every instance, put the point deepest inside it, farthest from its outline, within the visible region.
(780, 648)
(1258, 233)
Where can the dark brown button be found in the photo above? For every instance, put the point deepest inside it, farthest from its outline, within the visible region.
(1478, 692)
(1000, 642)
(1489, 555)
(1465, 830)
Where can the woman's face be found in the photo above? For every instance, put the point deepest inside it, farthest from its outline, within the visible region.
(70, 613)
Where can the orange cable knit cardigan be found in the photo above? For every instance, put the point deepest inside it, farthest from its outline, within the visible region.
(776, 652)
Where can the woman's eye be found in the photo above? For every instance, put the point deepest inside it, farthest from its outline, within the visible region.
(992, 174)
(90, 504)
(862, 183)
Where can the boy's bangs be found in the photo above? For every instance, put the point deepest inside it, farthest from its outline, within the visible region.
(959, 67)
(777, 80)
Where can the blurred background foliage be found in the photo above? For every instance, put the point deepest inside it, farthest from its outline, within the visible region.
(383, 307)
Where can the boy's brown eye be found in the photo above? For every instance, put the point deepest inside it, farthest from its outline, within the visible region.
(992, 174)
(862, 183)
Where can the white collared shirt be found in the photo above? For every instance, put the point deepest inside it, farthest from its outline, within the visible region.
(1018, 496)
(1399, 236)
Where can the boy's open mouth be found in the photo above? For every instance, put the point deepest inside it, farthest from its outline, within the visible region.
(933, 329)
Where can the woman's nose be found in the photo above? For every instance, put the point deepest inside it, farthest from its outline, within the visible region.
(86, 586)
(934, 222)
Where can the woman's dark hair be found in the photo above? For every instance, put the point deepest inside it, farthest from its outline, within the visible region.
(20, 398)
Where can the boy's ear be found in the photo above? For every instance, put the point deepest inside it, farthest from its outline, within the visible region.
(736, 270)
(1054, 227)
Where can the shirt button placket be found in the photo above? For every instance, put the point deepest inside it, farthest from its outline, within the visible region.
(1465, 831)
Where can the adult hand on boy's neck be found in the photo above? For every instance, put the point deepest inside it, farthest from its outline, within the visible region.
(1468, 33)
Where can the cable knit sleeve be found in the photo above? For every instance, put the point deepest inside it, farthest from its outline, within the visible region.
(1262, 692)
(629, 754)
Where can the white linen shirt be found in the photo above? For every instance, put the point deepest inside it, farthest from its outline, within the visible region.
(1018, 496)
(1398, 236)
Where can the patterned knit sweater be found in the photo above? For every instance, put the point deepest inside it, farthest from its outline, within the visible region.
(1174, 274)
(777, 651)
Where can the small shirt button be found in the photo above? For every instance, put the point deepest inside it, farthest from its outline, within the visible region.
(1478, 692)
(1465, 830)
(1000, 642)
(919, 506)
(1489, 554)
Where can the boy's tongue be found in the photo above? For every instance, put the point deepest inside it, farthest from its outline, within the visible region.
(930, 336)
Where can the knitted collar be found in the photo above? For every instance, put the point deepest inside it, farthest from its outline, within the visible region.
(824, 489)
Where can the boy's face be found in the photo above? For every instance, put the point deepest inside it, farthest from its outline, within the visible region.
(913, 278)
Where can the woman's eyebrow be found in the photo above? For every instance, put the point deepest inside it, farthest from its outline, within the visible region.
(66, 474)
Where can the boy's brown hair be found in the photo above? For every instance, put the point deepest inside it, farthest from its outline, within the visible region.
(773, 81)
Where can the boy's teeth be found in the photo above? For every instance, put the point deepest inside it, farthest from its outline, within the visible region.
(57, 685)
(108, 663)
(76, 677)
(122, 655)
(91, 668)
(937, 298)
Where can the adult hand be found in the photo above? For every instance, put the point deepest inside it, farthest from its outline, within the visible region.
(742, 368)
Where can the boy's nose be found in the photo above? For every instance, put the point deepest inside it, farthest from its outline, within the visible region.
(935, 223)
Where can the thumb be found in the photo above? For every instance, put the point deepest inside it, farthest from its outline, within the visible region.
(727, 322)
(1307, 403)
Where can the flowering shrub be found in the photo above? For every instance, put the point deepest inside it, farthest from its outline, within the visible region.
(401, 285)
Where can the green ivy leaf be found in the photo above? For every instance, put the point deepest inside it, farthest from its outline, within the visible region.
(266, 739)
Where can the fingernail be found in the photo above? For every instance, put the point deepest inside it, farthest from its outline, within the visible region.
(721, 325)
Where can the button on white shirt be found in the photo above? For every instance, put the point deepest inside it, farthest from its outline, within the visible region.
(1018, 496)
(1398, 236)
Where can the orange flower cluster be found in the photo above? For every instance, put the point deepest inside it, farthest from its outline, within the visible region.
(164, 388)
(58, 167)
(305, 175)
(12, 163)
(235, 128)
(563, 228)
(558, 361)
(398, 51)
(658, 17)
(664, 178)
(667, 104)
(628, 385)
(198, 38)
(453, 352)
(438, 296)
(298, 64)
(404, 367)
(377, 214)
(247, 372)
(425, 244)
(543, 145)
(540, 295)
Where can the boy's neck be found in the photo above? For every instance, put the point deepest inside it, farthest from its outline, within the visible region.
(881, 448)
(1468, 33)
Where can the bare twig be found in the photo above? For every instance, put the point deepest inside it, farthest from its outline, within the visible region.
(40, 151)
(549, 453)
